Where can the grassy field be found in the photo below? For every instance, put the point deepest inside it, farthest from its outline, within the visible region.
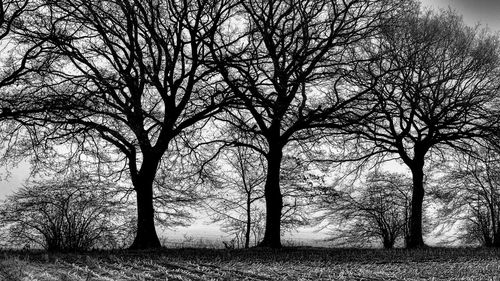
(256, 264)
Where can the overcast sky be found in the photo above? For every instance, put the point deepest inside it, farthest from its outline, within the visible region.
(486, 12)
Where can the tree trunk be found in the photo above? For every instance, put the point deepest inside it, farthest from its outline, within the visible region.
(249, 222)
(488, 241)
(415, 239)
(407, 221)
(274, 200)
(146, 237)
(496, 235)
(495, 225)
(388, 242)
(496, 241)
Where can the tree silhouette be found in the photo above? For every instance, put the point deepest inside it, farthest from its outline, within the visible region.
(286, 62)
(131, 74)
(437, 78)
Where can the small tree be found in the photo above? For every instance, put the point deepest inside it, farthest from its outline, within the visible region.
(65, 215)
(379, 211)
(240, 187)
(238, 181)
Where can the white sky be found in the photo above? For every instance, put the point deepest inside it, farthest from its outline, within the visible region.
(13, 178)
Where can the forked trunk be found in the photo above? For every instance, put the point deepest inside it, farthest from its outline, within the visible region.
(415, 239)
(274, 201)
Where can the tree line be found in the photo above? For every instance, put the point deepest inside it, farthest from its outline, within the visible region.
(177, 101)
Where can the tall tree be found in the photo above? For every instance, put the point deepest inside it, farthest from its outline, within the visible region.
(439, 79)
(286, 62)
(131, 74)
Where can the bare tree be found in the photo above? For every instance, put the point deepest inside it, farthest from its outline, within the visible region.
(66, 214)
(132, 74)
(438, 79)
(377, 211)
(286, 62)
(240, 187)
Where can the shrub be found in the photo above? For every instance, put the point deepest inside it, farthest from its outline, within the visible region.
(72, 214)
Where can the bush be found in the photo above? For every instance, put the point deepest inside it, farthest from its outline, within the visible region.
(73, 214)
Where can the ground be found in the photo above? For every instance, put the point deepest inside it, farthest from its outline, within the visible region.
(255, 264)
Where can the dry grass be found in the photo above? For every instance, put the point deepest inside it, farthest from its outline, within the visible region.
(256, 264)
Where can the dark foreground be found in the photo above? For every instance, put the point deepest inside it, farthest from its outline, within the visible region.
(256, 264)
